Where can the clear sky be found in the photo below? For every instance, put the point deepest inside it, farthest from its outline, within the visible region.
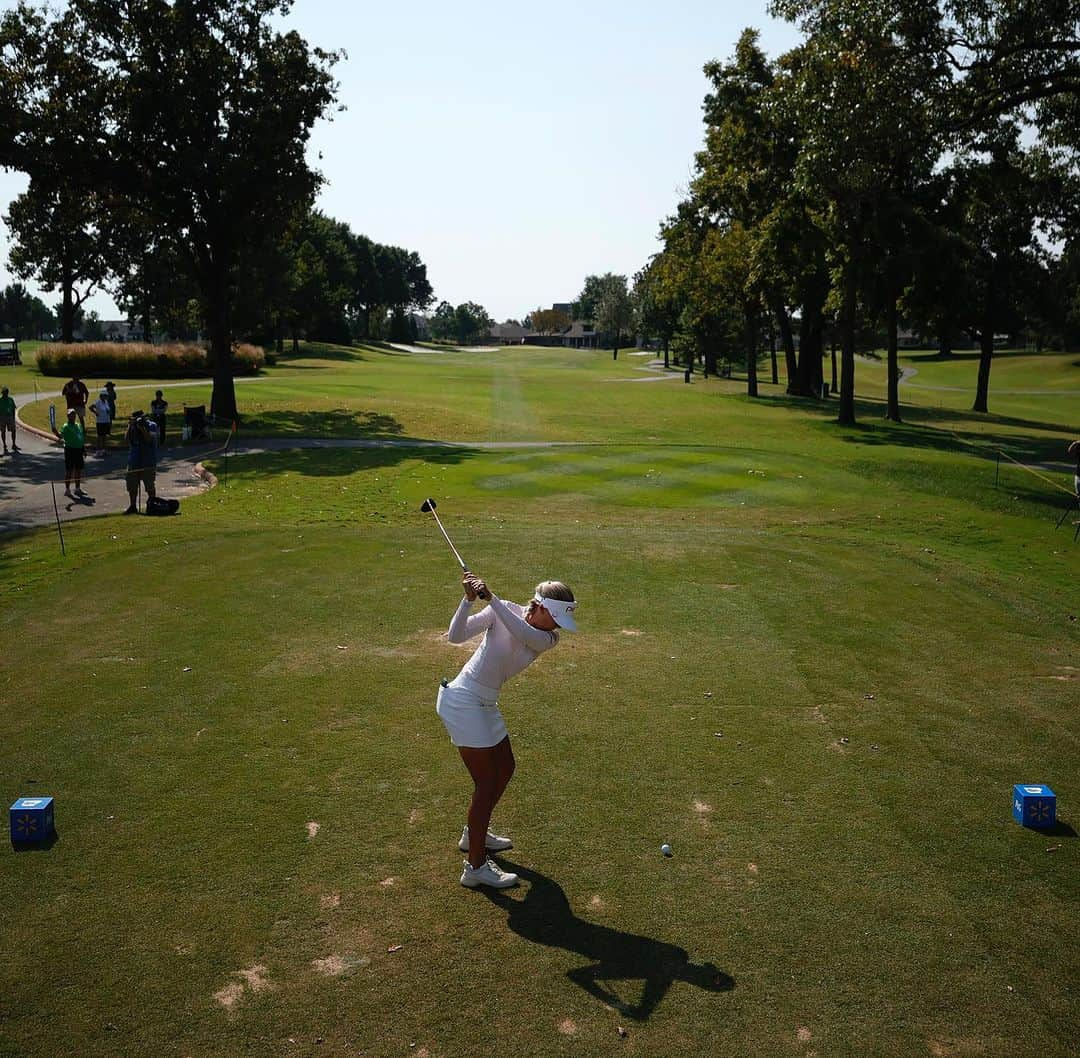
(516, 149)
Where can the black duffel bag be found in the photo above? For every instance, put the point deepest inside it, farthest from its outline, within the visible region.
(157, 506)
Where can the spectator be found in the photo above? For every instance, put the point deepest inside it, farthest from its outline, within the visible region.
(103, 415)
(7, 419)
(111, 390)
(76, 394)
(158, 407)
(74, 438)
(142, 460)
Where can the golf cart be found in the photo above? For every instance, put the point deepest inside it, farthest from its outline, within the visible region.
(9, 352)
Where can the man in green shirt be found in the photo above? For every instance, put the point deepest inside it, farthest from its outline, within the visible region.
(7, 419)
(74, 437)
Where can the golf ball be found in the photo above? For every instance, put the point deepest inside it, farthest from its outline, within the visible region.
(665, 849)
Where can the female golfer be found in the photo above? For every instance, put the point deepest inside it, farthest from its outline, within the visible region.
(469, 705)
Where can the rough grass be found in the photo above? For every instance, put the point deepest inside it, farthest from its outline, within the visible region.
(813, 660)
(141, 359)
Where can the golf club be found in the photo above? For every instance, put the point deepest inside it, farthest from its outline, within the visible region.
(429, 505)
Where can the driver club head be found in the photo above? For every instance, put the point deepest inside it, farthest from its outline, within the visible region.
(428, 505)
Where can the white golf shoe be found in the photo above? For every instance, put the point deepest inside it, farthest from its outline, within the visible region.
(492, 843)
(488, 873)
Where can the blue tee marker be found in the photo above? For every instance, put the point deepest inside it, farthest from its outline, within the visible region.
(1034, 805)
(32, 821)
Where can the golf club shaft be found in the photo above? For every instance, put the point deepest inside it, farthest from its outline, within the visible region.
(438, 522)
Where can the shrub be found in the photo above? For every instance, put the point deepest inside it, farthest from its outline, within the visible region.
(142, 360)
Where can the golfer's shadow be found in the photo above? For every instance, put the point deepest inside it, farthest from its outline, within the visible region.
(543, 916)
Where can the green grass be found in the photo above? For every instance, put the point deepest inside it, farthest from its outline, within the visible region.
(814, 660)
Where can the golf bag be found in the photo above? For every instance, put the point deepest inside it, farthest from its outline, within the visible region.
(156, 505)
(196, 424)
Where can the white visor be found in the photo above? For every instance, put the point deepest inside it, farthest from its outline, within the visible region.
(562, 612)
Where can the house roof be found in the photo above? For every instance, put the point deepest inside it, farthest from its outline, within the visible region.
(509, 330)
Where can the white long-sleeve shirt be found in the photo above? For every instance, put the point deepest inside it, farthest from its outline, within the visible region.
(510, 643)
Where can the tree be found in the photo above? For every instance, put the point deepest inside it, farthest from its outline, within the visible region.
(658, 302)
(443, 323)
(998, 203)
(1011, 54)
(869, 85)
(92, 328)
(605, 296)
(584, 308)
(22, 314)
(471, 322)
(614, 311)
(202, 122)
(549, 321)
(56, 241)
(743, 183)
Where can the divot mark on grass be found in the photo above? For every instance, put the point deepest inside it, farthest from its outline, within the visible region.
(804, 1035)
(415, 816)
(386, 883)
(313, 828)
(702, 808)
(230, 995)
(328, 901)
(752, 868)
(339, 965)
(567, 1027)
(254, 978)
(630, 632)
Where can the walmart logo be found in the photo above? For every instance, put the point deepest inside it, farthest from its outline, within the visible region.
(25, 826)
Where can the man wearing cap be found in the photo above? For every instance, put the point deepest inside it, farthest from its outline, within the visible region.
(103, 417)
(158, 407)
(142, 460)
(76, 394)
(7, 419)
(74, 438)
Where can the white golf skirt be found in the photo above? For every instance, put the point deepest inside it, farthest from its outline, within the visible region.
(470, 713)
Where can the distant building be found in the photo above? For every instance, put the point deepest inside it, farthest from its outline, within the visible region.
(579, 335)
(122, 331)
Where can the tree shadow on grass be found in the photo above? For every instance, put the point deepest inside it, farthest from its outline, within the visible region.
(957, 357)
(337, 422)
(340, 461)
(949, 430)
(342, 353)
(544, 916)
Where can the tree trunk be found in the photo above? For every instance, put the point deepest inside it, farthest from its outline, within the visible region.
(615, 351)
(667, 363)
(811, 330)
(893, 410)
(846, 416)
(986, 356)
(833, 387)
(146, 312)
(751, 350)
(223, 395)
(67, 313)
(783, 321)
(772, 355)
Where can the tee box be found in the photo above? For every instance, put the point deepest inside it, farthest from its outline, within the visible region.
(1034, 805)
(32, 821)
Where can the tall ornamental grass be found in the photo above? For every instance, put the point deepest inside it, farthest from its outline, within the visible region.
(142, 360)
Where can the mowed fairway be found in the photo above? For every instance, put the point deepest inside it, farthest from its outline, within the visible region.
(814, 660)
